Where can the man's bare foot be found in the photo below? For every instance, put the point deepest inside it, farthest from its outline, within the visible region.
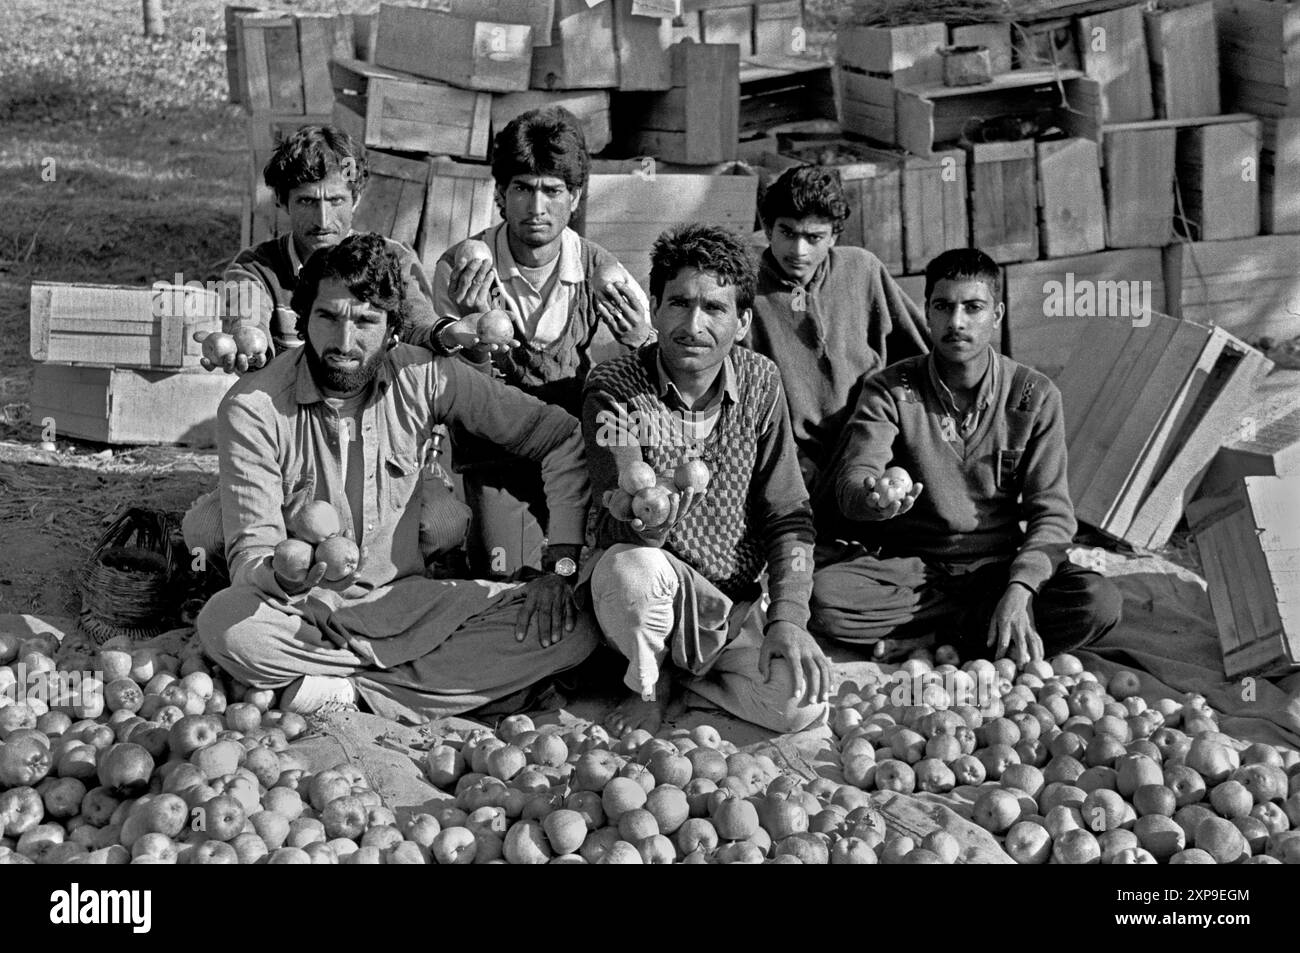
(634, 712)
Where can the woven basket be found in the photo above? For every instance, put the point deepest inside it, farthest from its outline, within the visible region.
(124, 585)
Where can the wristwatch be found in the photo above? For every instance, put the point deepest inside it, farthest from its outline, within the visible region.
(565, 567)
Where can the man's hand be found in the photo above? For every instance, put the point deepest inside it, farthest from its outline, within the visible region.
(681, 502)
(464, 333)
(809, 666)
(880, 508)
(472, 286)
(232, 363)
(1012, 627)
(314, 575)
(548, 610)
(622, 314)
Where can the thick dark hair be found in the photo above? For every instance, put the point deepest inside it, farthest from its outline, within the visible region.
(803, 191)
(963, 264)
(705, 248)
(311, 154)
(547, 141)
(367, 266)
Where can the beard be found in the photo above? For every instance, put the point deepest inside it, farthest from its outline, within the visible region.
(339, 380)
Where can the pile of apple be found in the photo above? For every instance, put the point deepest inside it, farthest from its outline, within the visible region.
(644, 494)
(314, 538)
(1067, 769)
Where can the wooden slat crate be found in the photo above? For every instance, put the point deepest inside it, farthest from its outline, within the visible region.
(642, 46)
(458, 204)
(1218, 180)
(268, 43)
(581, 54)
(1184, 48)
(1139, 173)
(118, 325)
(536, 13)
(1249, 286)
(236, 81)
(934, 207)
(1120, 64)
(389, 110)
(1259, 55)
(907, 53)
(1147, 405)
(729, 25)
(590, 106)
(933, 114)
(1279, 176)
(996, 37)
(466, 52)
(626, 213)
(1271, 449)
(123, 406)
(1249, 541)
(1072, 213)
(775, 90)
(1004, 200)
(1050, 303)
(867, 104)
(778, 28)
(392, 203)
(684, 125)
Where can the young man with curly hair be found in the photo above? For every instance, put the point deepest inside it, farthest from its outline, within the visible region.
(345, 419)
(826, 314)
(682, 601)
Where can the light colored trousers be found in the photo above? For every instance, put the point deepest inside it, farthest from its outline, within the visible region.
(634, 593)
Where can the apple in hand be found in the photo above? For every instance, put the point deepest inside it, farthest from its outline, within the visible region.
(495, 327)
(652, 506)
(893, 485)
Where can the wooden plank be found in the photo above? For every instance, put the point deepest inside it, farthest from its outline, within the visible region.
(912, 49)
(1248, 286)
(458, 204)
(730, 25)
(1279, 176)
(1113, 49)
(784, 35)
(642, 46)
(996, 37)
(1184, 52)
(1218, 179)
(933, 207)
(1004, 200)
(681, 125)
(591, 107)
(1073, 213)
(472, 54)
(236, 81)
(252, 45)
(1139, 175)
(1210, 542)
(284, 65)
(315, 48)
(536, 13)
(582, 53)
(868, 106)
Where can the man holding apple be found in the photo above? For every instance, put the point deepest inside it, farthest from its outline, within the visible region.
(675, 577)
(983, 437)
(345, 419)
(571, 303)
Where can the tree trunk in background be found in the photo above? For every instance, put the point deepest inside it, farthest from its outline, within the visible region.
(153, 18)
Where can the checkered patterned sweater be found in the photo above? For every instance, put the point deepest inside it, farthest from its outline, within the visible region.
(756, 511)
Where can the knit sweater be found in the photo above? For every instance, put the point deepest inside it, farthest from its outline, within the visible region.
(850, 319)
(976, 491)
(755, 513)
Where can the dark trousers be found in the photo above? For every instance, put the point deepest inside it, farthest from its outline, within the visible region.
(860, 598)
(508, 529)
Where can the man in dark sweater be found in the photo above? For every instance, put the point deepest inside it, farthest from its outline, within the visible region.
(683, 597)
(826, 315)
(983, 437)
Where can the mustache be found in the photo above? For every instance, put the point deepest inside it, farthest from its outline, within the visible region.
(958, 337)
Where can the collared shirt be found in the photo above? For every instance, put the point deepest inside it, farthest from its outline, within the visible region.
(960, 427)
(697, 424)
(279, 448)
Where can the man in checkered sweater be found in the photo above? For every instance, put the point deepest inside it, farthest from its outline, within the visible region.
(682, 601)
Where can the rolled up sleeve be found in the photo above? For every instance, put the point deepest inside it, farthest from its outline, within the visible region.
(252, 494)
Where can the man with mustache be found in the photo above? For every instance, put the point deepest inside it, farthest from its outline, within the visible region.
(682, 601)
(541, 273)
(345, 419)
(825, 313)
(983, 437)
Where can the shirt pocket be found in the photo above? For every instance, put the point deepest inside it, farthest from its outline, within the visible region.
(402, 474)
(1007, 470)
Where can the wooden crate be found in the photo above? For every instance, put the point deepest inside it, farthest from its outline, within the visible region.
(466, 52)
(393, 200)
(1259, 55)
(776, 90)
(683, 125)
(590, 106)
(1249, 541)
(932, 114)
(236, 81)
(389, 110)
(1184, 50)
(778, 28)
(119, 325)
(1279, 176)
(536, 13)
(1072, 213)
(626, 213)
(1272, 449)
(459, 203)
(1004, 200)
(268, 43)
(910, 54)
(581, 54)
(1147, 406)
(642, 46)
(1050, 303)
(1139, 175)
(867, 105)
(934, 207)
(729, 25)
(1218, 180)
(123, 406)
(995, 36)
(1120, 64)
(1249, 286)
